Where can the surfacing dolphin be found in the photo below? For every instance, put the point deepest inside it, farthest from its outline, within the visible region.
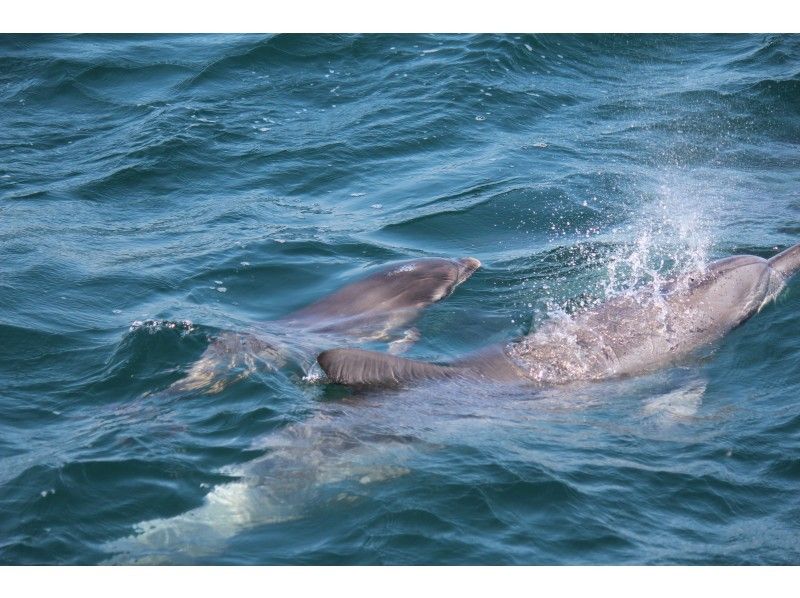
(627, 335)
(370, 309)
(303, 458)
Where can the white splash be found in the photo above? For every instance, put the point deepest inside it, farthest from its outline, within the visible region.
(674, 235)
(154, 326)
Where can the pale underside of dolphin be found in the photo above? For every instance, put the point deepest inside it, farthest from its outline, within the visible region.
(370, 309)
(627, 335)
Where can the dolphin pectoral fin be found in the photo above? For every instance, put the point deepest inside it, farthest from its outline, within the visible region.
(680, 404)
(402, 344)
(357, 367)
(787, 262)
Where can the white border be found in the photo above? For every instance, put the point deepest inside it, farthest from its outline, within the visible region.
(541, 16)
(402, 582)
(404, 16)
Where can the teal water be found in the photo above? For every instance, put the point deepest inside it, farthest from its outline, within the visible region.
(157, 190)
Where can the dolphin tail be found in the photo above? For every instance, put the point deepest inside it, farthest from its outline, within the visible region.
(787, 262)
(357, 367)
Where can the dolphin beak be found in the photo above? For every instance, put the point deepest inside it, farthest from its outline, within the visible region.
(468, 266)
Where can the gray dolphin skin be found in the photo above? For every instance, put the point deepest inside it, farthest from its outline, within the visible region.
(385, 301)
(369, 309)
(627, 335)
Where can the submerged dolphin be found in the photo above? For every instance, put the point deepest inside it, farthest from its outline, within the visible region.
(305, 457)
(369, 309)
(627, 335)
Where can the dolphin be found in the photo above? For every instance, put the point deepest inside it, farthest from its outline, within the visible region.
(389, 299)
(625, 336)
(370, 309)
(303, 459)
(352, 443)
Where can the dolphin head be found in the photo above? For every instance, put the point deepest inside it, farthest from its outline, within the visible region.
(732, 289)
(387, 299)
(787, 262)
(424, 281)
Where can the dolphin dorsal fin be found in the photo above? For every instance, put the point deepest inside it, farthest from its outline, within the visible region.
(357, 367)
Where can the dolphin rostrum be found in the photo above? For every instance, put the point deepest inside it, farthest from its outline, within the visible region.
(627, 335)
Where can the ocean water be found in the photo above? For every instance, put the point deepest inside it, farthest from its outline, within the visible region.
(156, 191)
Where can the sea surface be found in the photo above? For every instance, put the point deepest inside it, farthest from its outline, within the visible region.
(157, 191)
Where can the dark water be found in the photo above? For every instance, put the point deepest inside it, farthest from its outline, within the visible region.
(157, 190)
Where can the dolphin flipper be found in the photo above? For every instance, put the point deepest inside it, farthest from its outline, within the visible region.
(357, 367)
(402, 344)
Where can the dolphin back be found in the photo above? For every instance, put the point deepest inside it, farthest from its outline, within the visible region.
(357, 367)
(787, 262)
